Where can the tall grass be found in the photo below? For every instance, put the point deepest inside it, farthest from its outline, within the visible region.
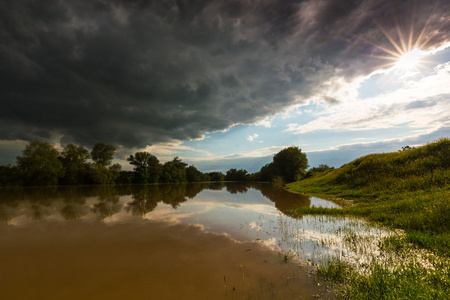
(407, 190)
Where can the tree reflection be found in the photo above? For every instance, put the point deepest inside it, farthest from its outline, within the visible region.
(144, 201)
(216, 186)
(236, 187)
(71, 202)
(193, 189)
(284, 200)
(73, 211)
(108, 202)
(8, 210)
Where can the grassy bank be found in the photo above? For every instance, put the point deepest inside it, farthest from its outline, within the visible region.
(407, 190)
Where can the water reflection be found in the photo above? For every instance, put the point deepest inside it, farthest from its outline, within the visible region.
(250, 212)
(166, 225)
(75, 202)
(192, 241)
(246, 212)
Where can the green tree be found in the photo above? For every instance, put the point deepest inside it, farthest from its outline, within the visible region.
(236, 175)
(146, 167)
(103, 154)
(194, 175)
(99, 174)
(114, 172)
(216, 176)
(39, 164)
(268, 173)
(174, 171)
(291, 163)
(74, 159)
(10, 176)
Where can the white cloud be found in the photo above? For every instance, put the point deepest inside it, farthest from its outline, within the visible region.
(172, 148)
(423, 103)
(262, 152)
(267, 123)
(252, 137)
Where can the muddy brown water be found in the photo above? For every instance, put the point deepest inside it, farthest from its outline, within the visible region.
(199, 241)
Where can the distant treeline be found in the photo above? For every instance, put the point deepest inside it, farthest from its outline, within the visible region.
(42, 165)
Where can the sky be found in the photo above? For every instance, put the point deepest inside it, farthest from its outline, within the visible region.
(228, 83)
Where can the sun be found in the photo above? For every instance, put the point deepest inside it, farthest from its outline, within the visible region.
(410, 60)
(406, 49)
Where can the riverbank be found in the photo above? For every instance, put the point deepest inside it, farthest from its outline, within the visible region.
(407, 191)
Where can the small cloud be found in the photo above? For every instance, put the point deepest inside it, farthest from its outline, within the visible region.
(266, 123)
(252, 137)
(172, 148)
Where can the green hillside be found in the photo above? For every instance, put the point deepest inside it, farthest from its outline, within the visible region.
(409, 190)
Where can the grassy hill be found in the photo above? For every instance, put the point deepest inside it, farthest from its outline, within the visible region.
(409, 190)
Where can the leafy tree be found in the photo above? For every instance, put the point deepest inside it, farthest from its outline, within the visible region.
(406, 148)
(39, 164)
(102, 154)
(114, 172)
(74, 160)
(10, 176)
(319, 169)
(216, 176)
(174, 171)
(146, 167)
(291, 163)
(268, 173)
(236, 175)
(99, 174)
(194, 175)
(125, 177)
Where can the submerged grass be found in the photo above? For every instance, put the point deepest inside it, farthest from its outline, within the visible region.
(397, 271)
(407, 190)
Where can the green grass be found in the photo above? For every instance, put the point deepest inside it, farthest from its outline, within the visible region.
(407, 190)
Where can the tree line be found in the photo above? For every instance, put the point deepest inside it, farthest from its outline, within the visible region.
(42, 165)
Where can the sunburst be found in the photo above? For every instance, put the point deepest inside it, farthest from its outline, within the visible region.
(407, 49)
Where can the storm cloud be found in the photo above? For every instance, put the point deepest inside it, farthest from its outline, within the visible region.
(136, 73)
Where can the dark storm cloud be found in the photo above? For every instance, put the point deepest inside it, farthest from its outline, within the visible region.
(133, 73)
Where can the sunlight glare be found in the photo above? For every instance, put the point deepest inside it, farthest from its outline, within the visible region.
(409, 60)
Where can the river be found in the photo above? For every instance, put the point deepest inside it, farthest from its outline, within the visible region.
(191, 241)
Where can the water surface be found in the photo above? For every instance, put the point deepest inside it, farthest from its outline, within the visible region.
(195, 241)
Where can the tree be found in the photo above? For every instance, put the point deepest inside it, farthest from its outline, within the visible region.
(102, 154)
(10, 176)
(174, 171)
(114, 172)
(406, 148)
(74, 160)
(194, 175)
(268, 173)
(319, 169)
(99, 174)
(146, 167)
(39, 164)
(216, 176)
(236, 175)
(291, 163)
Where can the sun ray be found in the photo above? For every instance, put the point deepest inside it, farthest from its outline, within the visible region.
(418, 43)
(391, 40)
(401, 38)
(406, 49)
(385, 57)
(411, 29)
(391, 52)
